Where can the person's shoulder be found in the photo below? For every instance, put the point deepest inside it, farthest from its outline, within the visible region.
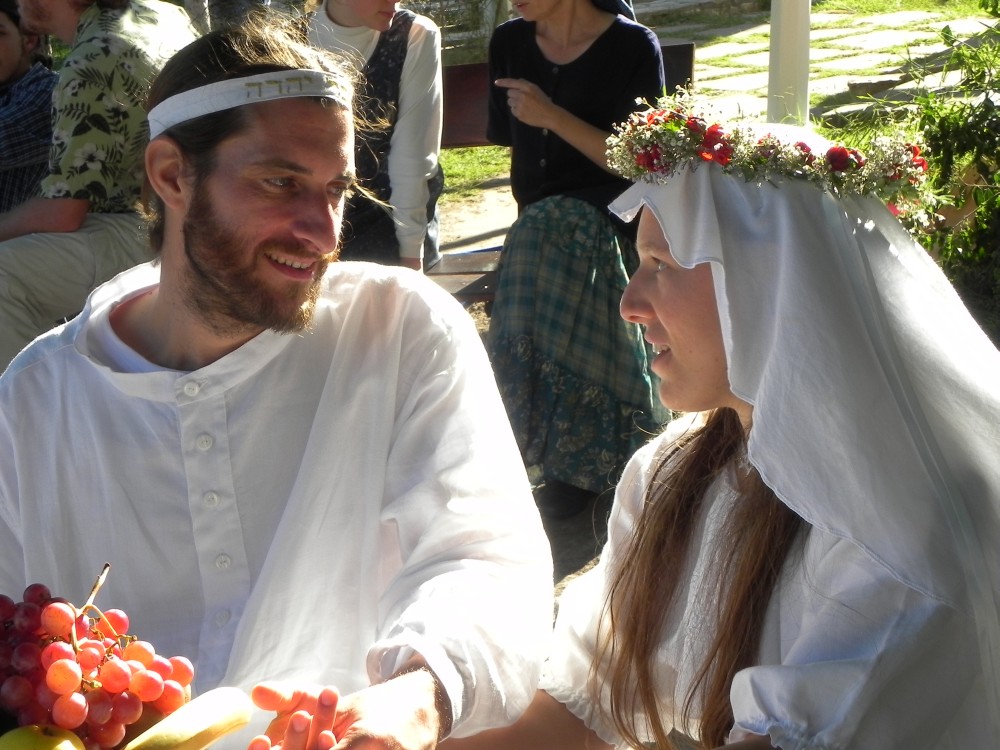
(423, 31)
(40, 75)
(674, 433)
(98, 36)
(365, 298)
(141, 28)
(388, 287)
(90, 32)
(37, 82)
(642, 467)
(630, 29)
(424, 25)
(515, 27)
(157, 11)
(37, 364)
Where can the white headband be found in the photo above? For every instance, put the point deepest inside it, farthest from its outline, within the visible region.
(235, 92)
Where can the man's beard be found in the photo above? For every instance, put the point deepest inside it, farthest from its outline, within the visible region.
(222, 284)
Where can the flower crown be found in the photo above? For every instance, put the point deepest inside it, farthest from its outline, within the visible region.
(653, 145)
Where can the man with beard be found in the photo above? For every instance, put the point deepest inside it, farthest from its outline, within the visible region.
(81, 227)
(297, 468)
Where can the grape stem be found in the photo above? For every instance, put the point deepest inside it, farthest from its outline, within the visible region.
(89, 605)
(97, 585)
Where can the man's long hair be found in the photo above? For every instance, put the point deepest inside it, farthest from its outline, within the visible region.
(760, 533)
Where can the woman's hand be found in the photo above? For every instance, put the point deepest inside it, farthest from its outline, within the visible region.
(407, 712)
(304, 721)
(527, 102)
(530, 105)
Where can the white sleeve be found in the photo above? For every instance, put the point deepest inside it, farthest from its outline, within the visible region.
(566, 672)
(852, 658)
(416, 137)
(472, 588)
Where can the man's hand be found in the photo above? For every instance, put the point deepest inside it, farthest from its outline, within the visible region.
(401, 714)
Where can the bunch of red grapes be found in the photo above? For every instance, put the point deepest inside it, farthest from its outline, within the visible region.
(79, 669)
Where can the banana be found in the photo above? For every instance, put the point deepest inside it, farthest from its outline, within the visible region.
(198, 723)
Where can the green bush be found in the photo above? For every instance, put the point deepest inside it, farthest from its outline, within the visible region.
(963, 135)
(960, 125)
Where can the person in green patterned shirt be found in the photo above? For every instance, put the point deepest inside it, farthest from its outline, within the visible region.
(84, 228)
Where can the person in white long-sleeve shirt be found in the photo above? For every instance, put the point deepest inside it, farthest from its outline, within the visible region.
(399, 53)
(298, 469)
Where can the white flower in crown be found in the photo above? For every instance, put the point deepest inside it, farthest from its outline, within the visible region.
(678, 134)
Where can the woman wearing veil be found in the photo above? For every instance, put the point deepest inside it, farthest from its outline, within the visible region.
(810, 560)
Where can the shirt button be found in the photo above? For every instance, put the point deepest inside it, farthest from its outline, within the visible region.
(223, 561)
(191, 388)
(204, 442)
(541, 162)
(222, 617)
(545, 131)
(211, 499)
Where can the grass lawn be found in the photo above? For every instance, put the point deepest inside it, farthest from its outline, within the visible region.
(468, 169)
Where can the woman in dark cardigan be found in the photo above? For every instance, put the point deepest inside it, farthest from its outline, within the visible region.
(573, 374)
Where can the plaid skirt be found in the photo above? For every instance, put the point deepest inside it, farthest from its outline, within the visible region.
(573, 374)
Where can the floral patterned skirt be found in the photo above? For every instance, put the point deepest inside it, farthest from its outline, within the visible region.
(574, 376)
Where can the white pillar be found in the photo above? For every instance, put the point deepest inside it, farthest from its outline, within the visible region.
(788, 73)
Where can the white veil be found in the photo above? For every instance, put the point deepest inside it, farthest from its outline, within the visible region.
(876, 396)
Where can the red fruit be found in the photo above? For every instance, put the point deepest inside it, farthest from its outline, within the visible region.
(26, 657)
(90, 655)
(45, 696)
(69, 711)
(115, 675)
(99, 707)
(107, 735)
(173, 697)
(183, 670)
(147, 684)
(162, 666)
(7, 607)
(127, 708)
(27, 617)
(57, 619)
(63, 677)
(16, 692)
(36, 593)
(54, 652)
(82, 627)
(6, 650)
(114, 622)
(140, 651)
(33, 713)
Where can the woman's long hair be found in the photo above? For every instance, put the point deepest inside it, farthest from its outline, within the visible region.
(759, 534)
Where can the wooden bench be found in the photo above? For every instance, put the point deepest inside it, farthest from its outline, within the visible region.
(471, 276)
